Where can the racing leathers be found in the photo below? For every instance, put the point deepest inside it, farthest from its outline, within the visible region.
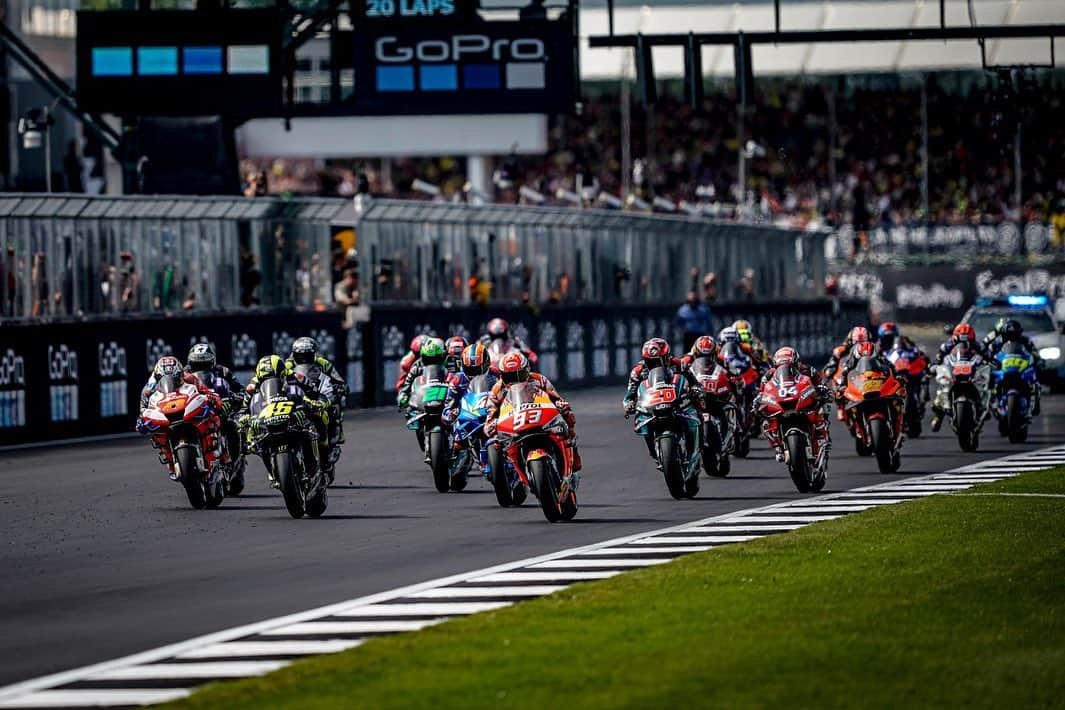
(939, 401)
(458, 384)
(160, 440)
(316, 401)
(639, 373)
(824, 397)
(993, 343)
(405, 364)
(498, 393)
(339, 397)
(502, 346)
(223, 382)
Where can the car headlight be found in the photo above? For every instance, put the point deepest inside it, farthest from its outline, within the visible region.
(1051, 353)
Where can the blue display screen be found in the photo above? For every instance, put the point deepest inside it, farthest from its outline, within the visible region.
(157, 61)
(202, 60)
(112, 61)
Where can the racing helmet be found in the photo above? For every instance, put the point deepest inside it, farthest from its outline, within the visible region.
(785, 357)
(455, 346)
(202, 357)
(304, 351)
(498, 329)
(743, 331)
(886, 333)
(475, 360)
(858, 334)
(655, 353)
(167, 365)
(964, 333)
(514, 368)
(865, 349)
(416, 344)
(705, 346)
(432, 352)
(270, 366)
(1011, 330)
(728, 335)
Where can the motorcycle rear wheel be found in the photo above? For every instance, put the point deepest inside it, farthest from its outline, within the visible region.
(798, 464)
(672, 470)
(438, 461)
(185, 458)
(288, 477)
(546, 489)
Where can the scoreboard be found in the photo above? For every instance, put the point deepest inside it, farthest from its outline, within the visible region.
(180, 63)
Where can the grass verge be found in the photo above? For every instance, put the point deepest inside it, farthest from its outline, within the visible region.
(947, 601)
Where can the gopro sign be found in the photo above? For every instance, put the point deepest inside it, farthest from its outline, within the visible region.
(426, 67)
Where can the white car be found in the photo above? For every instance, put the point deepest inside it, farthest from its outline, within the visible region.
(1037, 320)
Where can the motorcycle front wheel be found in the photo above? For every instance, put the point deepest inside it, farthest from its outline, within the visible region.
(672, 470)
(712, 454)
(185, 458)
(887, 459)
(288, 478)
(546, 489)
(1016, 426)
(798, 464)
(965, 425)
(438, 461)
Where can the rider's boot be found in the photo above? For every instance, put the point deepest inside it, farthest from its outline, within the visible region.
(576, 457)
(937, 418)
(1035, 406)
(650, 443)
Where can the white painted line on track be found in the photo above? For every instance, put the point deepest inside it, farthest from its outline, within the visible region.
(247, 649)
(340, 628)
(428, 608)
(214, 669)
(487, 592)
(346, 622)
(94, 698)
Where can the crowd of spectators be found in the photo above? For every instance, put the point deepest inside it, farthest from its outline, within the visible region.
(862, 164)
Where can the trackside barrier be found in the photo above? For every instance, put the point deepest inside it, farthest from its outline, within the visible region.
(77, 379)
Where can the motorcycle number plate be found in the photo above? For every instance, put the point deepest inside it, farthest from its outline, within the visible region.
(871, 385)
(661, 396)
(1015, 363)
(963, 369)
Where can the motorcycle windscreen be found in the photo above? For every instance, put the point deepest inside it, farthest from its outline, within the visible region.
(168, 384)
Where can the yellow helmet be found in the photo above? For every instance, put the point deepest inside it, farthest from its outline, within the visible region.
(270, 366)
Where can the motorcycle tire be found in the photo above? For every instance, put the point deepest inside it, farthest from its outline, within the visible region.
(190, 477)
(965, 425)
(742, 447)
(500, 480)
(672, 470)
(798, 464)
(438, 461)
(458, 482)
(1020, 435)
(1015, 419)
(317, 503)
(861, 449)
(569, 506)
(236, 479)
(288, 478)
(540, 471)
(887, 459)
(713, 458)
(214, 492)
(914, 428)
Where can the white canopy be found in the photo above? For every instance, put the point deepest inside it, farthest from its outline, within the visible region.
(797, 59)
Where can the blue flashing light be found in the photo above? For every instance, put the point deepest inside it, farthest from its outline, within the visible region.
(112, 61)
(1019, 301)
(157, 61)
(202, 60)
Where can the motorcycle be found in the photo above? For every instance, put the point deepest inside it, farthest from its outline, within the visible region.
(664, 411)
(1014, 383)
(425, 418)
(911, 368)
(179, 417)
(874, 401)
(234, 471)
(468, 431)
(745, 380)
(964, 393)
(287, 440)
(793, 415)
(311, 376)
(532, 449)
(719, 415)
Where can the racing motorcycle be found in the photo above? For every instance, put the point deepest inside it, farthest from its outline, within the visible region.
(531, 449)
(1014, 383)
(179, 417)
(719, 415)
(873, 402)
(745, 380)
(664, 411)
(234, 471)
(425, 418)
(287, 440)
(468, 431)
(794, 416)
(311, 376)
(911, 369)
(964, 393)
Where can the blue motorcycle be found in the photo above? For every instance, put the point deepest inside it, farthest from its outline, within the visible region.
(1014, 384)
(467, 431)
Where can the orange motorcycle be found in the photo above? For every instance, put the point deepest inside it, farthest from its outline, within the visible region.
(874, 401)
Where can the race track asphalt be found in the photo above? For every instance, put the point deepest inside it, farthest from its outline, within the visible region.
(102, 556)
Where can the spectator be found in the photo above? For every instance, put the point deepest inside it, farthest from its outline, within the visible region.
(710, 288)
(346, 295)
(744, 286)
(694, 320)
(128, 283)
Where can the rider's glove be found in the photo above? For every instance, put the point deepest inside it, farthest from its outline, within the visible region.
(562, 404)
(141, 426)
(403, 400)
(490, 428)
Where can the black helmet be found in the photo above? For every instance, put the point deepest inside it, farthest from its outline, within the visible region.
(1011, 330)
(202, 357)
(304, 351)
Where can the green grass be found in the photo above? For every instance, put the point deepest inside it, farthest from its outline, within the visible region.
(952, 600)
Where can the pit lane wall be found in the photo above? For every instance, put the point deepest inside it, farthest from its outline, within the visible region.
(77, 379)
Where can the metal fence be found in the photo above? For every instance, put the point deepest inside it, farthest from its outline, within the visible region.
(925, 244)
(73, 256)
(453, 253)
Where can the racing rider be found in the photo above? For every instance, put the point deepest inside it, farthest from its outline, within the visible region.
(786, 361)
(410, 358)
(454, 347)
(474, 362)
(963, 334)
(655, 353)
(305, 352)
(499, 332)
(1008, 330)
(514, 369)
